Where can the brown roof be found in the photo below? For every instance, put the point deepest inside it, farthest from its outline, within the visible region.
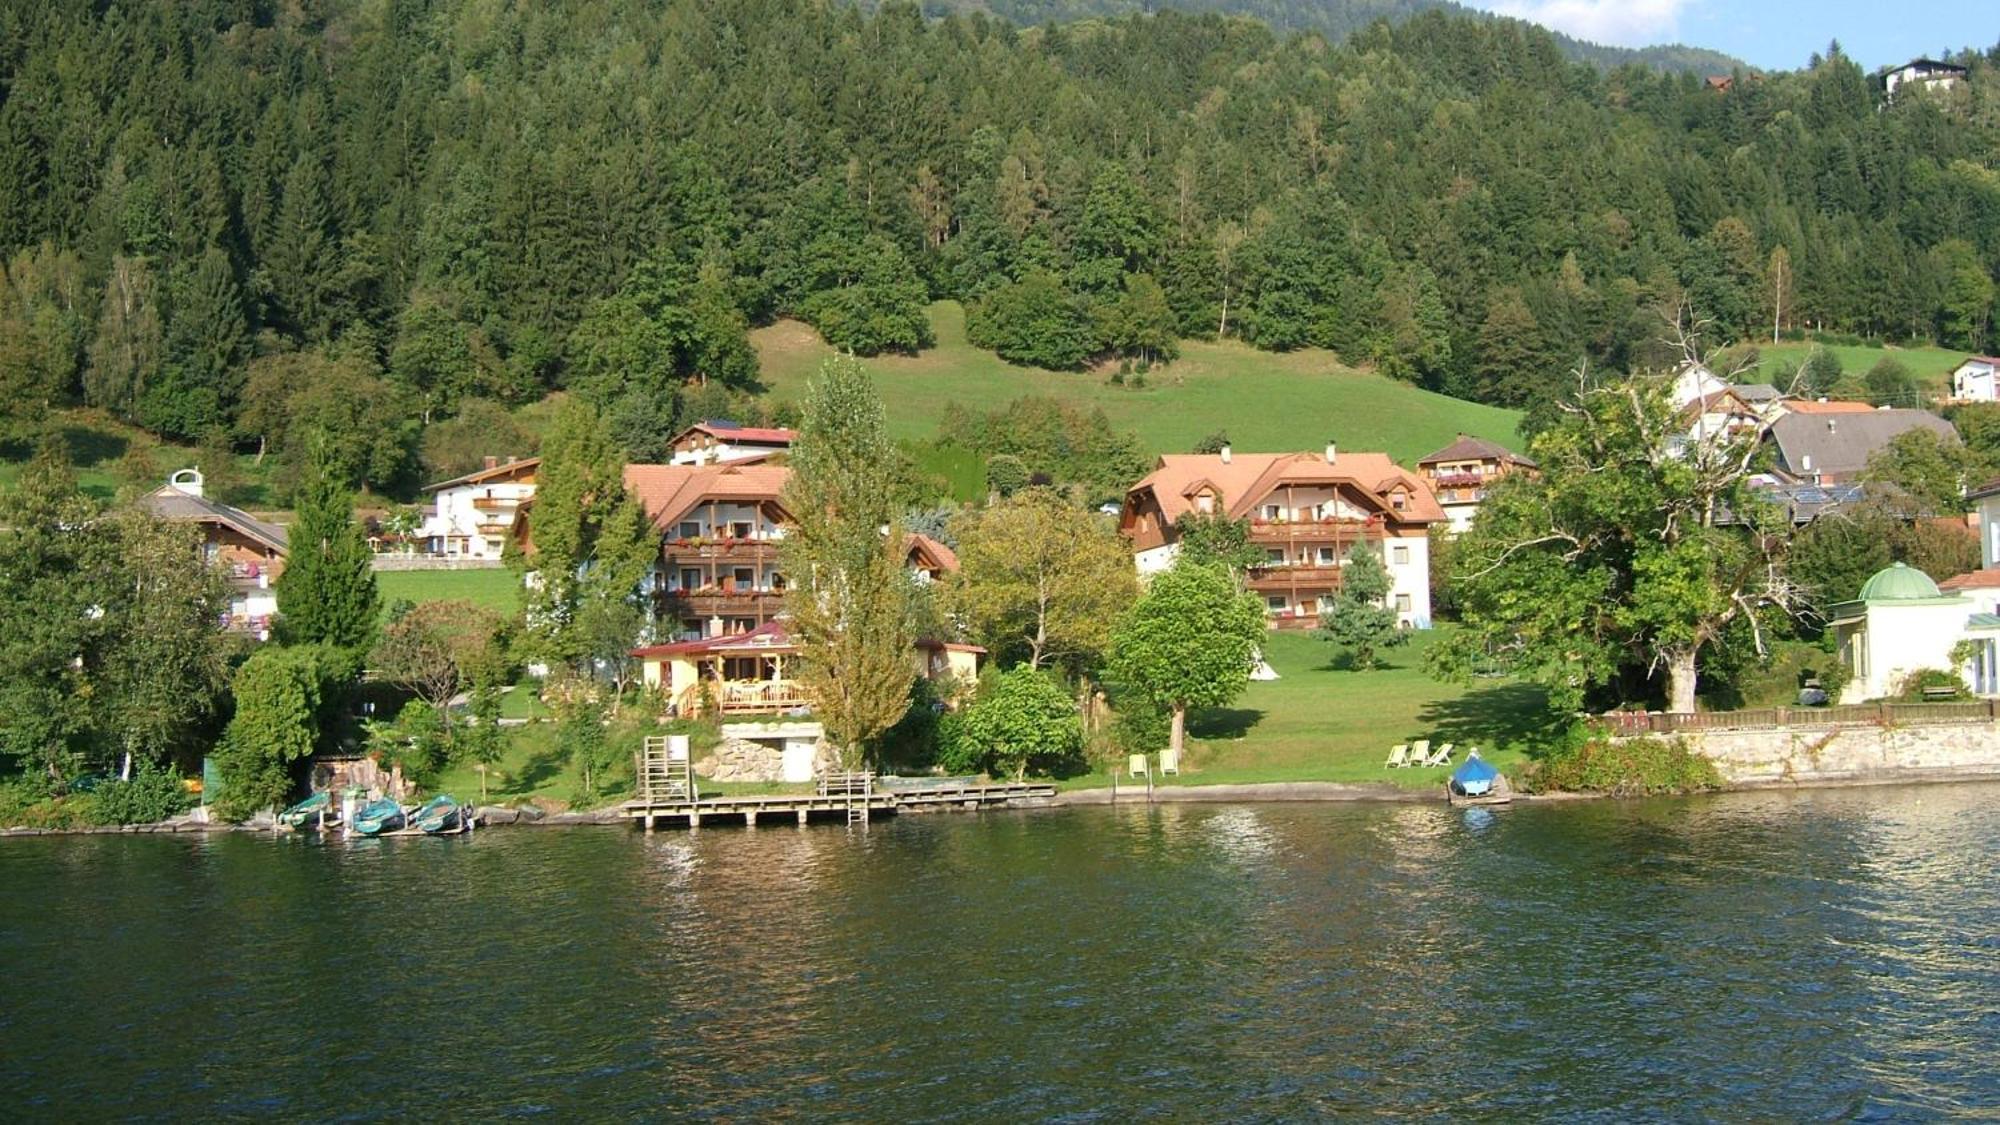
(1247, 478)
(1987, 579)
(497, 472)
(668, 492)
(1476, 449)
(1834, 406)
(724, 431)
(944, 557)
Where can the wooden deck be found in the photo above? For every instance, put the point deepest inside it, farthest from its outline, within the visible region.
(804, 807)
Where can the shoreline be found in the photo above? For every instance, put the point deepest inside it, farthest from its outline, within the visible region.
(1264, 792)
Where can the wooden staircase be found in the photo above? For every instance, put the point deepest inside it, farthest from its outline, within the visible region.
(665, 775)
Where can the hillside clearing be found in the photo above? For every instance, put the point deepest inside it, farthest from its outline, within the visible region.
(1264, 400)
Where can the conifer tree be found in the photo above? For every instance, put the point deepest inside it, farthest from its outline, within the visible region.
(1360, 621)
(327, 593)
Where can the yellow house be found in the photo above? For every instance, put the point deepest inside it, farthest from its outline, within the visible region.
(747, 673)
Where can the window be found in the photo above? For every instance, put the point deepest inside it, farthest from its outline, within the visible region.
(1204, 503)
(1402, 603)
(1274, 555)
(690, 529)
(1327, 557)
(690, 578)
(1396, 500)
(1400, 556)
(1276, 602)
(745, 577)
(741, 529)
(1273, 511)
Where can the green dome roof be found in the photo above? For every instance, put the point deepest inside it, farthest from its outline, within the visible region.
(1898, 583)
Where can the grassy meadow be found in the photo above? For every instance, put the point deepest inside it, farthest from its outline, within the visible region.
(1932, 366)
(1320, 721)
(497, 589)
(1266, 401)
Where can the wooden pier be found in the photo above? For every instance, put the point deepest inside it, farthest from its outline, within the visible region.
(669, 796)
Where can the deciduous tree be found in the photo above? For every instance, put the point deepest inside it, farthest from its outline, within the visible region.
(1042, 577)
(1189, 642)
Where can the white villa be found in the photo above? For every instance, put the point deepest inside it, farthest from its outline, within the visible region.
(1903, 622)
(472, 516)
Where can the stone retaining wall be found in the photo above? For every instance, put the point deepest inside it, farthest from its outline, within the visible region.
(1851, 754)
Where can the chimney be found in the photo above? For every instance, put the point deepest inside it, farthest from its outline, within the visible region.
(493, 462)
(1225, 454)
(1332, 451)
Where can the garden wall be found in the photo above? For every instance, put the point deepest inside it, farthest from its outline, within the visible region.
(1852, 754)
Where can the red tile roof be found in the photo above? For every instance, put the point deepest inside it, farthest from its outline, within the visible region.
(1834, 406)
(668, 492)
(1247, 478)
(1986, 579)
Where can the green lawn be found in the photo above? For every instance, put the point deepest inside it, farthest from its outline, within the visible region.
(498, 589)
(1266, 401)
(1931, 366)
(1317, 722)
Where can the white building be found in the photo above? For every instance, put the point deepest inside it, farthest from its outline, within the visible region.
(1903, 623)
(1927, 74)
(1975, 380)
(472, 516)
(717, 440)
(250, 552)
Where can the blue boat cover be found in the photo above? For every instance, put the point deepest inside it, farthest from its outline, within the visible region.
(1475, 777)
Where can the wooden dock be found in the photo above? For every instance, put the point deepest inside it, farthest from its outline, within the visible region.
(669, 796)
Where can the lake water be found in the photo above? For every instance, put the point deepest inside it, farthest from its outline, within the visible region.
(1826, 954)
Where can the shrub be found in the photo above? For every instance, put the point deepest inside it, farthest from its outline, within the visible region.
(1913, 686)
(153, 794)
(1636, 767)
(1023, 718)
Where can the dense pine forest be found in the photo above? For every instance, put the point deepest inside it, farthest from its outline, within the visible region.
(233, 220)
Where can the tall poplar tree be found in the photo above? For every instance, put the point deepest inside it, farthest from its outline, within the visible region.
(327, 593)
(850, 598)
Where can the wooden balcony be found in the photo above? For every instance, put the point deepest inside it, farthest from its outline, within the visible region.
(495, 503)
(725, 547)
(719, 601)
(1314, 531)
(1281, 579)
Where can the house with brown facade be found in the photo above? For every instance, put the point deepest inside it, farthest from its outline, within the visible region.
(1306, 513)
(250, 552)
(1460, 474)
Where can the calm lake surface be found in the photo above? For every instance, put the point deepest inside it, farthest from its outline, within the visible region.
(1827, 954)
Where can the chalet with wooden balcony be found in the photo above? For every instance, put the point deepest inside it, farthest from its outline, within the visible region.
(1460, 474)
(930, 560)
(472, 516)
(1307, 512)
(717, 441)
(250, 552)
(720, 527)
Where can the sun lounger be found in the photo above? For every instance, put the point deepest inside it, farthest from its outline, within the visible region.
(1442, 757)
(1399, 755)
(1170, 762)
(1419, 750)
(1137, 766)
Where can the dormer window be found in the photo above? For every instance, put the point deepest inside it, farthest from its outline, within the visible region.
(1205, 502)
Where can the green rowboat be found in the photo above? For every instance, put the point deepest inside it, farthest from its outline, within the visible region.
(377, 817)
(439, 815)
(306, 813)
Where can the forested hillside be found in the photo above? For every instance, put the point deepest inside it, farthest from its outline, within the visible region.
(249, 221)
(1335, 19)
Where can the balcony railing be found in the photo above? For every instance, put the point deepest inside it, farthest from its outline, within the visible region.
(1262, 529)
(1294, 576)
(492, 503)
(741, 697)
(726, 546)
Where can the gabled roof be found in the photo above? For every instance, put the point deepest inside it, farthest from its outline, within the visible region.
(1476, 449)
(668, 492)
(1826, 406)
(1843, 443)
(1990, 361)
(497, 472)
(941, 556)
(1247, 478)
(1757, 392)
(722, 429)
(1924, 64)
(170, 503)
